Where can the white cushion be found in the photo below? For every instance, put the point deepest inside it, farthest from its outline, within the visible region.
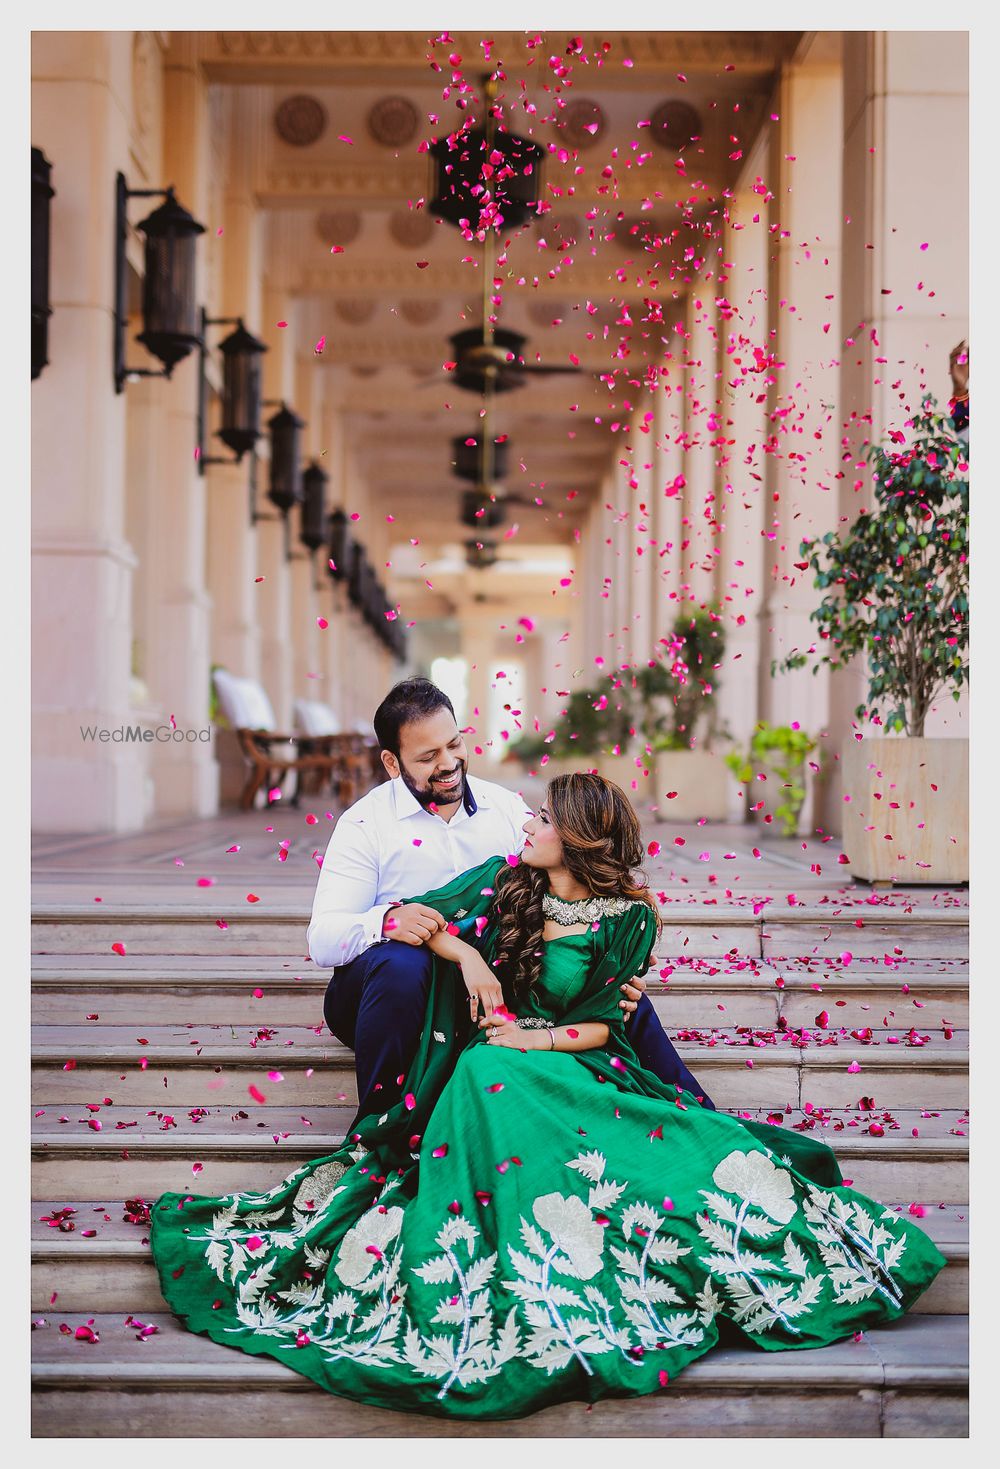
(314, 718)
(244, 702)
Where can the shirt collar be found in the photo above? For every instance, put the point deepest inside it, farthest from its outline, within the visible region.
(406, 804)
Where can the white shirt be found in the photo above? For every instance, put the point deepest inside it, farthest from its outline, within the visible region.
(387, 846)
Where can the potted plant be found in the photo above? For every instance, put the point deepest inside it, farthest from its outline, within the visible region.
(777, 757)
(677, 693)
(896, 592)
(592, 733)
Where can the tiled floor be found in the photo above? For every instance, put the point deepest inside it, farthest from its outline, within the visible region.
(718, 863)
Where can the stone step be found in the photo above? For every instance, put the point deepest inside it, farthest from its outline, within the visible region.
(908, 1380)
(697, 992)
(197, 1064)
(112, 1263)
(143, 1152)
(275, 927)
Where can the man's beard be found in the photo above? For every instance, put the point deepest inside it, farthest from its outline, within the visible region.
(428, 795)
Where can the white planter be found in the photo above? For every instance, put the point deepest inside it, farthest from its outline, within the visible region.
(914, 797)
(701, 781)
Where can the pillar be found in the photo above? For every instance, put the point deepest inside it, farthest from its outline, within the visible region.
(174, 558)
(82, 565)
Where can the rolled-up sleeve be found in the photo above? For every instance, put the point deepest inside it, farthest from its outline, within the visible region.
(345, 917)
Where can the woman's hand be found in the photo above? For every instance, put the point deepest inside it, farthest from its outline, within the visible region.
(502, 1031)
(633, 992)
(482, 983)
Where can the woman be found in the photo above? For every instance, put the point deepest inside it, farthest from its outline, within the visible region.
(538, 1219)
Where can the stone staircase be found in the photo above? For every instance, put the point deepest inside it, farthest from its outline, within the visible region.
(198, 1060)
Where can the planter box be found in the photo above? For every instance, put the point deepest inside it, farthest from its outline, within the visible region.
(919, 835)
(622, 769)
(701, 781)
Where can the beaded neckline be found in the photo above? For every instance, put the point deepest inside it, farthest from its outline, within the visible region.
(583, 910)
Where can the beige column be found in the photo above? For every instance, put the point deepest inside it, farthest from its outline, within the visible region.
(478, 649)
(642, 555)
(274, 607)
(608, 568)
(82, 565)
(701, 401)
(667, 531)
(332, 599)
(174, 557)
(740, 486)
(232, 538)
(905, 121)
(307, 635)
(804, 273)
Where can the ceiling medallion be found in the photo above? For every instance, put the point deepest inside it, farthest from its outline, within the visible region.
(674, 124)
(546, 313)
(581, 123)
(411, 227)
(420, 313)
(338, 226)
(562, 229)
(392, 121)
(300, 120)
(355, 310)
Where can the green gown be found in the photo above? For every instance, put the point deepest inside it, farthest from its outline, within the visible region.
(526, 1228)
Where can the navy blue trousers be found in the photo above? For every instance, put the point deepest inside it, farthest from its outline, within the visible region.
(377, 1005)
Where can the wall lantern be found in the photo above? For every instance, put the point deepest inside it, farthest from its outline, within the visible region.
(285, 488)
(312, 532)
(340, 547)
(169, 311)
(42, 193)
(356, 575)
(480, 554)
(241, 368)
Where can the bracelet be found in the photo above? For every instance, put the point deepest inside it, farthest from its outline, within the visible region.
(552, 1038)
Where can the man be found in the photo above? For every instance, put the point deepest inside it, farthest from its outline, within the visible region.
(417, 831)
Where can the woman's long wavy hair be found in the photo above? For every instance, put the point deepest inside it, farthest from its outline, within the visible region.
(602, 848)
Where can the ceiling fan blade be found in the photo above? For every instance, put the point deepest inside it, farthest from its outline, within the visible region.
(539, 369)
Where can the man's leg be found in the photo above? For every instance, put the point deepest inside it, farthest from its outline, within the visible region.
(377, 1004)
(649, 1041)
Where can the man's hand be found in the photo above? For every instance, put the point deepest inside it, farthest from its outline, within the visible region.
(633, 992)
(412, 923)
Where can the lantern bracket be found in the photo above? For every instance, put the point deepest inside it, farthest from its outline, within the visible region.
(122, 195)
(207, 321)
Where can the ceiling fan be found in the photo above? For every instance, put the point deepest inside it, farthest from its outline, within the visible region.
(491, 359)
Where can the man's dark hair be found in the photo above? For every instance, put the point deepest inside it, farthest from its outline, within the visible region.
(407, 702)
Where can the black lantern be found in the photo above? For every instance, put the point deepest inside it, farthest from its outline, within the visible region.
(356, 574)
(42, 193)
(462, 191)
(340, 547)
(169, 310)
(285, 489)
(241, 365)
(312, 532)
(481, 461)
(480, 554)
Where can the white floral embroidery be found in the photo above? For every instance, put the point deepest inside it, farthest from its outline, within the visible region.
(365, 1244)
(754, 1177)
(858, 1252)
(572, 1227)
(759, 1304)
(480, 1351)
